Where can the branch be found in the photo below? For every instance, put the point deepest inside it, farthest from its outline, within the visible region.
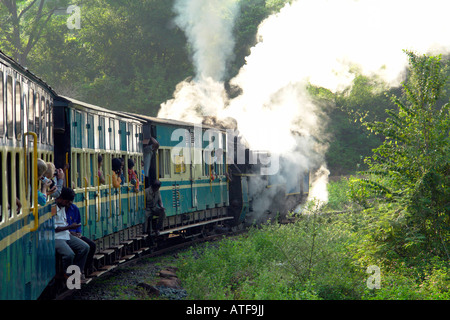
(35, 36)
(10, 5)
(27, 8)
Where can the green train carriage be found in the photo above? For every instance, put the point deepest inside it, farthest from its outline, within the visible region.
(37, 123)
(27, 252)
(194, 187)
(83, 132)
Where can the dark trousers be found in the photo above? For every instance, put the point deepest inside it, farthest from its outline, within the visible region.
(161, 213)
(90, 257)
(73, 251)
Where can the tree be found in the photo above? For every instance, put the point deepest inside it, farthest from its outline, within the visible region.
(413, 160)
(23, 23)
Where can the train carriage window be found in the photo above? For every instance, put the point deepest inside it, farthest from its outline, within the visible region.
(18, 103)
(164, 163)
(83, 130)
(179, 164)
(77, 137)
(31, 110)
(25, 113)
(140, 139)
(121, 138)
(43, 120)
(111, 134)
(89, 131)
(106, 134)
(131, 138)
(9, 181)
(117, 135)
(9, 108)
(78, 171)
(2, 124)
(50, 122)
(18, 169)
(161, 163)
(36, 115)
(90, 169)
(97, 132)
(205, 165)
(1, 188)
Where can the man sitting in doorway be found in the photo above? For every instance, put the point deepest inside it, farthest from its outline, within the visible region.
(73, 250)
(154, 206)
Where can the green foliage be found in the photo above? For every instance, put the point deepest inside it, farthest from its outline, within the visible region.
(307, 260)
(347, 139)
(320, 256)
(411, 167)
(23, 23)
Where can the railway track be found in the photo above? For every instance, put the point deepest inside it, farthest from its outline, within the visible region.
(134, 250)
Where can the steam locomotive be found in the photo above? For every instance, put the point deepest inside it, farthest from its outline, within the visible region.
(201, 184)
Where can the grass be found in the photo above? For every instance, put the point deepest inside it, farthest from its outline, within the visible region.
(319, 257)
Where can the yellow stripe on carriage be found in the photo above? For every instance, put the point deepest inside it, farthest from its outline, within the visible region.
(13, 237)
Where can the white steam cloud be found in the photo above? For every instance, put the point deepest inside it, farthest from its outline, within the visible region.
(321, 42)
(208, 25)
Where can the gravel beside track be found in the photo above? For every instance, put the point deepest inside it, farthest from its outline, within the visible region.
(122, 283)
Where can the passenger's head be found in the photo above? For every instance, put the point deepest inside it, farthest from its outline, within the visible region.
(156, 184)
(50, 170)
(66, 198)
(41, 168)
(116, 164)
(130, 163)
(100, 159)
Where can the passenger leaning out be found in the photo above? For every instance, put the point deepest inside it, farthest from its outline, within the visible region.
(132, 176)
(56, 178)
(116, 168)
(45, 182)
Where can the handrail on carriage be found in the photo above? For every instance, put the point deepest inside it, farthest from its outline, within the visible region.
(110, 195)
(67, 169)
(86, 201)
(99, 198)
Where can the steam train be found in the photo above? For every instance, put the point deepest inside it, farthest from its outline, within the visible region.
(200, 189)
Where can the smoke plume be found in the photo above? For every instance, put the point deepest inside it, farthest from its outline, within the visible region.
(318, 42)
(208, 25)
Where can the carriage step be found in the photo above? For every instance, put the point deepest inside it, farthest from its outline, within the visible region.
(108, 268)
(98, 256)
(97, 273)
(107, 252)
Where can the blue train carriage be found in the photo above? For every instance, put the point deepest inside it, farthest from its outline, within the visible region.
(191, 165)
(83, 132)
(27, 252)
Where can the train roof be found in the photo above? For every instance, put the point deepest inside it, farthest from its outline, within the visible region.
(172, 122)
(97, 109)
(24, 70)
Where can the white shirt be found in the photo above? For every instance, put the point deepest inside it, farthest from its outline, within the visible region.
(61, 221)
